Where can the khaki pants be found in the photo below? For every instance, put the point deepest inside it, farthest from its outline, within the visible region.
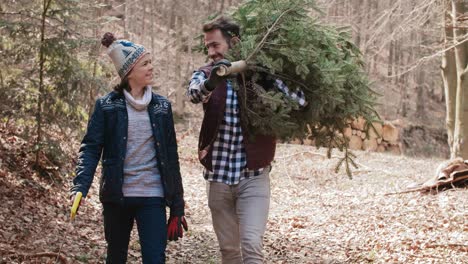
(240, 213)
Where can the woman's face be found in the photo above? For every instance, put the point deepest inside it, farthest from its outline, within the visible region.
(142, 73)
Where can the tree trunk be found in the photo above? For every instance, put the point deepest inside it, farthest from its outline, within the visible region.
(460, 146)
(401, 81)
(221, 9)
(390, 58)
(40, 97)
(449, 76)
(172, 20)
(359, 25)
(143, 22)
(180, 89)
(94, 55)
(153, 9)
(2, 85)
(126, 19)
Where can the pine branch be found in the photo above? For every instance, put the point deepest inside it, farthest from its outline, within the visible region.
(262, 42)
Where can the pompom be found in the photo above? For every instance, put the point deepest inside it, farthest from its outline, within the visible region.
(107, 39)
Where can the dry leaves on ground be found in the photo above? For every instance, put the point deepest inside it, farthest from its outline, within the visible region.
(316, 216)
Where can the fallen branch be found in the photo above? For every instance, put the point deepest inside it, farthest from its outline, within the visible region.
(59, 258)
(463, 248)
(462, 175)
(407, 191)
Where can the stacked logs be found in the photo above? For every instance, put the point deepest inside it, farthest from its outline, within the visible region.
(385, 137)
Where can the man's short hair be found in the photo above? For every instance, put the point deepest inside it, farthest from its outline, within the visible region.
(227, 26)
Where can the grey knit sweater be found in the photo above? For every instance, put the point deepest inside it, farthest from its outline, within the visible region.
(141, 175)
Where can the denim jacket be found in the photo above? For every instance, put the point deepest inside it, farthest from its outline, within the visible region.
(107, 136)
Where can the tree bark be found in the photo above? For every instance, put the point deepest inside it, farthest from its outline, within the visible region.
(95, 55)
(221, 8)
(153, 9)
(180, 89)
(449, 76)
(126, 19)
(460, 146)
(2, 85)
(143, 22)
(390, 58)
(173, 17)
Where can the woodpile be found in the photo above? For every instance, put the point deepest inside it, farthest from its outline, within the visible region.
(385, 137)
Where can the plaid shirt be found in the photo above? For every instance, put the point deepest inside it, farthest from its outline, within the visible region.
(229, 156)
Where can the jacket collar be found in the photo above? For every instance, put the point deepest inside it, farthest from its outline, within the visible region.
(116, 96)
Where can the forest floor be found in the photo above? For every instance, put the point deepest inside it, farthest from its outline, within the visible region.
(316, 215)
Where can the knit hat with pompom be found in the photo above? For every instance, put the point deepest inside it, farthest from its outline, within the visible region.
(124, 54)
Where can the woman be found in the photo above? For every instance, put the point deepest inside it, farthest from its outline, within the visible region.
(132, 128)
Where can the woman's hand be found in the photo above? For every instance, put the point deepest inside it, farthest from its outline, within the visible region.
(174, 227)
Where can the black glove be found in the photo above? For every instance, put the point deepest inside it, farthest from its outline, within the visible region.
(214, 80)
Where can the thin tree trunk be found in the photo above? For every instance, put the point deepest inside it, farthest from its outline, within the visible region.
(410, 75)
(143, 22)
(2, 84)
(152, 12)
(359, 24)
(390, 58)
(396, 60)
(126, 19)
(421, 91)
(95, 55)
(172, 20)
(401, 81)
(221, 9)
(180, 90)
(45, 8)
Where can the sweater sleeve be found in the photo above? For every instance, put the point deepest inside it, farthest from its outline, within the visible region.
(178, 204)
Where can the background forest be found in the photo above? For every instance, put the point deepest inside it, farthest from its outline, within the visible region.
(53, 67)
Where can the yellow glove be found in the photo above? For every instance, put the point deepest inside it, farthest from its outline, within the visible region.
(76, 205)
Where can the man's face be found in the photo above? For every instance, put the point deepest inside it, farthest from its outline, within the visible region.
(216, 44)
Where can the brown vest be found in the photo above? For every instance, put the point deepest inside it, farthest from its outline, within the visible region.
(260, 150)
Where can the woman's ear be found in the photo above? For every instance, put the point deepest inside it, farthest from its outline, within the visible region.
(234, 40)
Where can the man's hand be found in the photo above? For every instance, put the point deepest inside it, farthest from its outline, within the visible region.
(214, 80)
(174, 227)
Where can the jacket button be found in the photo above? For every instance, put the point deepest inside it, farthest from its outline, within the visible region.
(154, 124)
(124, 138)
(157, 143)
(162, 163)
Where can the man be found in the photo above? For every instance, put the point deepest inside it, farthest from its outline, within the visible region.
(237, 166)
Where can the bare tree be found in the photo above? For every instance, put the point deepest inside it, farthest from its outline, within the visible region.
(459, 145)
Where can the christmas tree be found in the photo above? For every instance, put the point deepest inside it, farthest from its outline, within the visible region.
(281, 39)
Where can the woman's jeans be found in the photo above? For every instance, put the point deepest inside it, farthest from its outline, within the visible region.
(150, 216)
